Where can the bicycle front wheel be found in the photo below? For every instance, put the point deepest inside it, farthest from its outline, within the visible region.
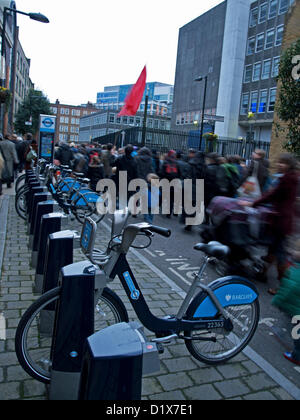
(20, 203)
(222, 345)
(33, 338)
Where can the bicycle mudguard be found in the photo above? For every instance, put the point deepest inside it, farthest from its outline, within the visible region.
(86, 197)
(230, 291)
(67, 184)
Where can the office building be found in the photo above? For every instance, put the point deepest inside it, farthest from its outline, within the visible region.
(237, 46)
(262, 58)
(160, 98)
(106, 122)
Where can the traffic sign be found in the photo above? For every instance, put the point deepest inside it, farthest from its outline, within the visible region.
(48, 123)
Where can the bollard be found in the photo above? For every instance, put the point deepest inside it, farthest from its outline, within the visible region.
(45, 207)
(113, 364)
(59, 254)
(28, 195)
(35, 190)
(74, 322)
(50, 223)
(38, 197)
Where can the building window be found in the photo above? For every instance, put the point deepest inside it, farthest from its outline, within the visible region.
(283, 6)
(256, 72)
(265, 74)
(263, 13)
(253, 17)
(272, 100)
(253, 102)
(260, 42)
(270, 39)
(263, 99)
(251, 46)
(248, 74)
(111, 118)
(245, 104)
(279, 35)
(275, 68)
(273, 9)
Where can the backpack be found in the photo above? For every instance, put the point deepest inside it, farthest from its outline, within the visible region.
(171, 169)
(233, 180)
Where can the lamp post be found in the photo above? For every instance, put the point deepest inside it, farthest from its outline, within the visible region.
(199, 79)
(34, 16)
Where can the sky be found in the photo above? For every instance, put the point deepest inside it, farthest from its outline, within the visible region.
(90, 44)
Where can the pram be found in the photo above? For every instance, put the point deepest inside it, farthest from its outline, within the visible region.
(245, 230)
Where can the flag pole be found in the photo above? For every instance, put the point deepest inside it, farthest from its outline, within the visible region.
(145, 118)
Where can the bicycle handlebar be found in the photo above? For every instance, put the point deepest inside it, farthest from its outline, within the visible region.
(160, 231)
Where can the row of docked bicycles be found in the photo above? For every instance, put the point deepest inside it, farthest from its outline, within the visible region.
(216, 321)
(70, 190)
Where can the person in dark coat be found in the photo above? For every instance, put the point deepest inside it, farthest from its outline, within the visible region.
(64, 154)
(126, 163)
(196, 165)
(144, 163)
(10, 157)
(170, 171)
(259, 157)
(95, 171)
(215, 183)
(283, 200)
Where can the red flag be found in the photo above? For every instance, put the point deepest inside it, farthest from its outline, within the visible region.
(135, 96)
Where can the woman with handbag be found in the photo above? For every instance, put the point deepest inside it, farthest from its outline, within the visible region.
(31, 155)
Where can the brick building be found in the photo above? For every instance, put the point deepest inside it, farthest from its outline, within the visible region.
(291, 34)
(68, 120)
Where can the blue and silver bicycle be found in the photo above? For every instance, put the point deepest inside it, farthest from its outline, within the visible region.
(216, 322)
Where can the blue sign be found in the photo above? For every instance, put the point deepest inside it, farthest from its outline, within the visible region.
(48, 123)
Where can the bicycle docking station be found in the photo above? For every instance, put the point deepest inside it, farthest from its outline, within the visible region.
(45, 207)
(39, 196)
(87, 366)
(74, 322)
(58, 253)
(114, 361)
(48, 255)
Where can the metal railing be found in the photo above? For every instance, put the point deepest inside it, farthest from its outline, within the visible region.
(162, 141)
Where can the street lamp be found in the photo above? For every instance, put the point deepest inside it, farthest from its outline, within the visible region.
(199, 79)
(34, 16)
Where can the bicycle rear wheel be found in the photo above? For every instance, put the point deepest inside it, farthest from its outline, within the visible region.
(33, 341)
(226, 345)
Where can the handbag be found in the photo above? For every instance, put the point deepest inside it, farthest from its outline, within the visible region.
(31, 155)
(251, 187)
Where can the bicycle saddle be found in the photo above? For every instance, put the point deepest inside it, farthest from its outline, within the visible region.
(213, 249)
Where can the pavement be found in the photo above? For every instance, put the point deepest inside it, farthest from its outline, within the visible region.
(181, 378)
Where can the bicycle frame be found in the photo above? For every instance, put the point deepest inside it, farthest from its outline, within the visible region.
(150, 321)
